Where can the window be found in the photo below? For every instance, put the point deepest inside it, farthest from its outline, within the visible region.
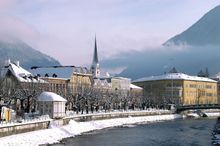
(192, 85)
(209, 94)
(208, 86)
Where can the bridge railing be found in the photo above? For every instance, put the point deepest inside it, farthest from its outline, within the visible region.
(197, 106)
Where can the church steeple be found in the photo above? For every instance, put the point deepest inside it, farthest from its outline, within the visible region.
(95, 62)
(95, 55)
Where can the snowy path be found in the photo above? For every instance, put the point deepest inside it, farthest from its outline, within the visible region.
(54, 134)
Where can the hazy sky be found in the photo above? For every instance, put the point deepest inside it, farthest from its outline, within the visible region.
(65, 29)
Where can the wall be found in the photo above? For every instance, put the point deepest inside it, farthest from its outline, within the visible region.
(23, 127)
(38, 125)
(200, 92)
(82, 118)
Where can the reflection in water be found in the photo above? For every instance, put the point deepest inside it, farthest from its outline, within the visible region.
(189, 132)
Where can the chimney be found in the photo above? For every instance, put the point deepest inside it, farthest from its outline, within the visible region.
(17, 63)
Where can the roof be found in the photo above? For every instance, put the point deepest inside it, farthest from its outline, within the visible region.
(174, 76)
(173, 70)
(21, 74)
(50, 96)
(132, 86)
(121, 78)
(64, 72)
(60, 72)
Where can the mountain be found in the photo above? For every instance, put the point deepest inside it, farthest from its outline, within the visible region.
(205, 31)
(201, 50)
(19, 50)
(151, 63)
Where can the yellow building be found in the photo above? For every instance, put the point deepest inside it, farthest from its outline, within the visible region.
(179, 88)
(57, 85)
(80, 81)
(73, 83)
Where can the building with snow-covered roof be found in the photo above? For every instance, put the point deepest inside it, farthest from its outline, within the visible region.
(13, 76)
(21, 74)
(20, 86)
(178, 88)
(65, 79)
(51, 104)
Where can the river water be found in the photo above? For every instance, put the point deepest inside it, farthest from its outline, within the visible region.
(188, 132)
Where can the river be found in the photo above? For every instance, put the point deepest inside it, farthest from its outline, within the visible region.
(188, 132)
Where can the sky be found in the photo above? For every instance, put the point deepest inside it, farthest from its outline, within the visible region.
(66, 29)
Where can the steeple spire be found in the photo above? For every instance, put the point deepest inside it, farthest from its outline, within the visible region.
(95, 62)
(95, 55)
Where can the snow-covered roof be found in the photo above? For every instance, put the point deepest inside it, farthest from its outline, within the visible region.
(21, 74)
(132, 86)
(174, 76)
(50, 96)
(62, 72)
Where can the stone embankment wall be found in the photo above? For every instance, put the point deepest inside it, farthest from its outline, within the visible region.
(23, 127)
(101, 116)
(16, 128)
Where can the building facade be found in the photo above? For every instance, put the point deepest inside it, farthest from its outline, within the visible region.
(179, 88)
(57, 85)
(80, 81)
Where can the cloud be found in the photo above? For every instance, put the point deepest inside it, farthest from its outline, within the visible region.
(5, 5)
(14, 27)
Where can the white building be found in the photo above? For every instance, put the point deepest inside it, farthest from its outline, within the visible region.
(51, 104)
(120, 83)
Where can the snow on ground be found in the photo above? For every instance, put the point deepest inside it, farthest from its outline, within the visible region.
(217, 114)
(195, 115)
(54, 134)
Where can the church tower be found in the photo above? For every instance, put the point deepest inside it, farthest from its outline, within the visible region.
(95, 63)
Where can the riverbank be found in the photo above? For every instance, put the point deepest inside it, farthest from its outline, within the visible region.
(216, 133)
(55, 133)
(75, 126)
(183, 132)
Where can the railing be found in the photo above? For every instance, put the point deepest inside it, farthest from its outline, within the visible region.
(24, 121)
(197, 106)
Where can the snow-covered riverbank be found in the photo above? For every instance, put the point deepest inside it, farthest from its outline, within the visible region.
(54, 134)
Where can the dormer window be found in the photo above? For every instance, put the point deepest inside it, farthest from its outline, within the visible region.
(25, 77)
(30, 77)
(36, 77)
(46, 75)
(54, 75)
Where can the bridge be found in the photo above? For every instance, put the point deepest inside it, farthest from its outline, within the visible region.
(195, 107)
